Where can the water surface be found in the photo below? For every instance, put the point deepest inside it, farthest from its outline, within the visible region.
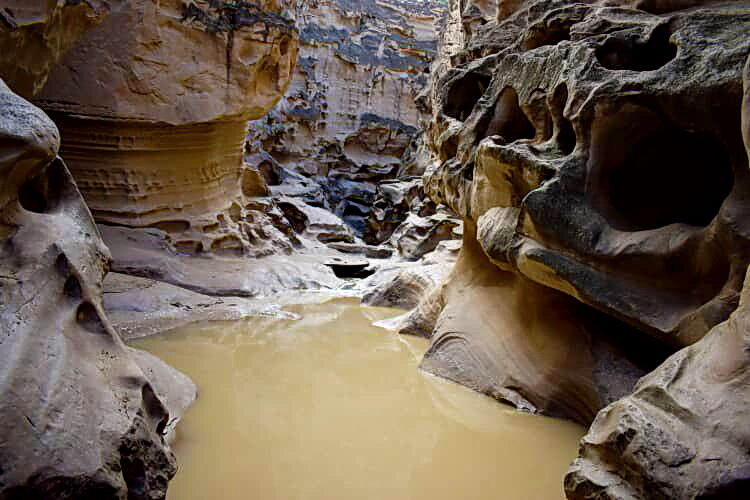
(330, 407)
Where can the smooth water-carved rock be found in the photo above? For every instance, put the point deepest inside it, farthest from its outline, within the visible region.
(594, 150)
(683, 432)
(152, 105)
(80, 418)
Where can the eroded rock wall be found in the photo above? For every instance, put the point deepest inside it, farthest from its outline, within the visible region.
(350, 113)
(683, 432)
(80, 416)
(592, 148)
(153, 104)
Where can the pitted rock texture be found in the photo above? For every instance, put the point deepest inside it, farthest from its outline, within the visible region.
(593, 149)
(80, 418)
(683, 432)
(350, 113)
(152, 105)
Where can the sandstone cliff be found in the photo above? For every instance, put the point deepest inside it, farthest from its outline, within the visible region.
(152, 105)
(83, 416)
(594, 150)
(350, 113)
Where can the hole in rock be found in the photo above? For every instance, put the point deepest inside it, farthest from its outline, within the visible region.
(619, 54)
(552, 34)
(270, 172)
(564, 133)
(188, 247)
(508, 119)
(464, 94)
(134, 473)
(172, 226)
(296, 217)
(664, 6)
(72, 288)
(227, 245)
(89, 318)
(668, 177)
(42, 194)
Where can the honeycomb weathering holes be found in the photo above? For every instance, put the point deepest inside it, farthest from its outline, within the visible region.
(508, 119)
(42, 193)
(629, 54)
(464, 94)
(667, 176)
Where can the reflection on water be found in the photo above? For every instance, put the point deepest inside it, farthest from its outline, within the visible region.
(330, 407)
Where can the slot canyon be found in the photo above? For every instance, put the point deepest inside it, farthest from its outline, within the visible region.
(367, 249)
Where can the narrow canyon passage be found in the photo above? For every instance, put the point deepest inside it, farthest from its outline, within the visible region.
(330, 406)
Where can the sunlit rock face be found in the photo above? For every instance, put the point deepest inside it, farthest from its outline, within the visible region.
(80, 419)
(152, 105)
(595, 150)
(350, 113)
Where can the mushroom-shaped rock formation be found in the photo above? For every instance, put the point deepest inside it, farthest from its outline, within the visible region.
(593, 149)
(152, 105)
(79, 417)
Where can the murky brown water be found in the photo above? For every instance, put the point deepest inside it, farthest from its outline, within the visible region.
(330, 407)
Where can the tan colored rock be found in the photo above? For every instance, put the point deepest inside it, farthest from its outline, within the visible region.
(80, 418)
(571, 137)
(152, 105)
(34, 34)
(683, 433)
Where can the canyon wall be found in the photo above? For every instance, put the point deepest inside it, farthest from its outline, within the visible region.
(152, 100)
(350, 113)
(152, 105)
(594, 153)
(83, 416)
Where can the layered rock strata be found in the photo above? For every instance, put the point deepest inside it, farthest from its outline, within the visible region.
(593, 150)
(153, 104)
(350, 114)
(83, 416)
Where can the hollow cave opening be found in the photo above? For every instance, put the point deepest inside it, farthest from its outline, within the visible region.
(546, 35)
(508, 120)
(463, 95)
(42, 194)
(671, 177)
(628, 54)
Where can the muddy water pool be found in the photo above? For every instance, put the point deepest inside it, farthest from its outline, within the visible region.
(328, 406)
